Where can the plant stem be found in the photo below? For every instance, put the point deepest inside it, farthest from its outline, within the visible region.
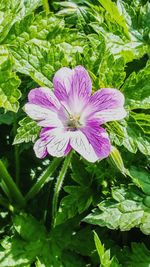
(16, 153)
(46, 6)
(40, 182)
(13, 189)
(58, 187)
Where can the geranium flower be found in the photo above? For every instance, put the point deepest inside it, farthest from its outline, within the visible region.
(71, 116)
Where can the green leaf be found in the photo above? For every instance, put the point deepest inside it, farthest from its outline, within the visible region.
(138, 255)
(79, 198)
(108, 71)
(136, 89)
(143, 120)
(104, 255)
(12, 11)
(29, 228)
(141, 178)
(28, 131)
(15, 252)
(129, 134)
(124, 211)
(9, 82)
(113, 11)
(39, 49)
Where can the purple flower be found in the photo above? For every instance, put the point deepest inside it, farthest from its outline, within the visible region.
(71, 116)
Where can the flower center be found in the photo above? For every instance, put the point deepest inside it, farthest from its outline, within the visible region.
(74, 121)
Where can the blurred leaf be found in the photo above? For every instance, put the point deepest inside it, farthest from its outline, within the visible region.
(28, 228)
(138, 255)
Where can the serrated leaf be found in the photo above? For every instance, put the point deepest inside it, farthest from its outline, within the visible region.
(113, 11)
(78, 200)
(12, 11)
(126, 212)
(136, 89)
(129, 134)
(104, 255)
(39, 49)
(28, 131)
(28, 228)
(9, 83)
(141, 178)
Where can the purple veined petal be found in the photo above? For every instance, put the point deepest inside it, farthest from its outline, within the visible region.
(98, 138)
(40, 148)
(58, 145)
(45, 117)
(52, 141)
(81, 84)
(72, 88)
(62, 83)
(43, 97)
(106, 105)
(110, 115)
(80, 144)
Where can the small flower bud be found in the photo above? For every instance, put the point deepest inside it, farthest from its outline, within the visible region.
(116, 159)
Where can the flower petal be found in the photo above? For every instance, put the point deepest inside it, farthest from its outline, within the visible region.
(80, 143)
(107, 105)
(80, 91)
(81, 83)
(98, 138)
(40, 148)
(43, 97)
(75, 82)
(44, 116)
(58, 145)
(62, 83)
(52, 141)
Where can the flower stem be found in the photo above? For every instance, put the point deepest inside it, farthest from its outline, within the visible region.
(38, 185)
(46, 6)
(13, 189)
(58, 187)
(16, 154)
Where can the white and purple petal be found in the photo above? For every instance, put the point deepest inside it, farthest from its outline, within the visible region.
(54, 141)
(45, 117)
(98, 138)
(106, 105)
(81, 83)
(73, 88)
(81, 144)
(44, 97)
(40, 148)
(62, 82)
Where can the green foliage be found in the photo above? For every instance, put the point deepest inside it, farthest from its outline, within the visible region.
(125, 210)
(79, 196)
(104, 255)
(130, 134)
(28, 131)
(9, 82)
(111, 39)
(138, 256)
(136, 89)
